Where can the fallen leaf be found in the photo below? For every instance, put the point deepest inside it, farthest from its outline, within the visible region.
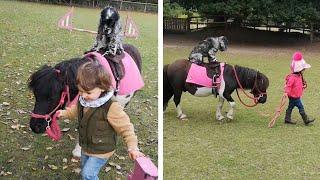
(118, 167)
(25, 148)
(74, 160)
(107, 169)
(15, 126)
(64, 167)
(53, 167)
(120, 173)
(65, 129)
(112, 163)
(10, 160)
(64, 160)
(20, 111)
(46, 157)
(77, 170)
(121, 157)
(66, 121)
(5, 103)
(49, 148)
(71, 137)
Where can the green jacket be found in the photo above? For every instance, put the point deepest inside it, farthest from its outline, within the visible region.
(96, 135)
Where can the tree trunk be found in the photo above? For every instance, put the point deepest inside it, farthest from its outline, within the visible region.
(311, 32)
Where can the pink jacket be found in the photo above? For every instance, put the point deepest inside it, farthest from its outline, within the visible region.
(294, 85)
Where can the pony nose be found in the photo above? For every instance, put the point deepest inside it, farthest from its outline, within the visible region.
(38, 125)
(262, 99)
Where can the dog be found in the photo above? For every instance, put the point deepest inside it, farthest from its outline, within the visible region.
(208, 48)
(109, 39)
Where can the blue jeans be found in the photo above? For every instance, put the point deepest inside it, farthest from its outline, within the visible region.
(295, 102)
(90, 166)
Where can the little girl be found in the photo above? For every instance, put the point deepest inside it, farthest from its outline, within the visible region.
(100, 120)
(294, 87)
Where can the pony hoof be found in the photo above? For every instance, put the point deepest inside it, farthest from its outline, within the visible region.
(230, 117)
(220, 118)
(182, 117)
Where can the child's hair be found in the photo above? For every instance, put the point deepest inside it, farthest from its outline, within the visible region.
(91, 75)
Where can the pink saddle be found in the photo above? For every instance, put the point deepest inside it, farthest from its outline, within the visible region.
(143, 169)
(198, 75)
(132, 80)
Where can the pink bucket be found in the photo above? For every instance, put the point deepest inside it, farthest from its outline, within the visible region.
(143, 169)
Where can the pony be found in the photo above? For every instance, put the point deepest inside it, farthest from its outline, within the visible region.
(48, 85)
(175, 76)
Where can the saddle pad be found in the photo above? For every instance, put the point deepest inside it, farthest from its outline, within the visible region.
(198, 75)
(132, 80)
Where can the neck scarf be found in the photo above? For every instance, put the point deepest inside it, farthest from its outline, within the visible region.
(96, 103)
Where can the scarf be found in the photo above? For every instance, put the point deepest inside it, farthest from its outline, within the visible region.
(96, 103)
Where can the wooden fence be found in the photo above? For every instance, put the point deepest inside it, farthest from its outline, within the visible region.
(176, 24)
(119, 4)
(189, 24)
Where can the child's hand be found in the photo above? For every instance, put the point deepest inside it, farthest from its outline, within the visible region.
(285, 95)
(61, 114)
(133, 154)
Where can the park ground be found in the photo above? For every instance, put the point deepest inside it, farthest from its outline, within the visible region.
(245, 148)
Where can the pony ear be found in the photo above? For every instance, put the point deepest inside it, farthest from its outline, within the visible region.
(36, 76)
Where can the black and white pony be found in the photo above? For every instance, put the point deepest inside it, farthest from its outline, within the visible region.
(49, 83)
(175, 76)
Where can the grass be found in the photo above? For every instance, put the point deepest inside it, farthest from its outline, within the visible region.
(245, 148)
(29, 39)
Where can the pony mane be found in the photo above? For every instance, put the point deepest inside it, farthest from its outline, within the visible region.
(248, 76)
(40, 77)
(54, 75)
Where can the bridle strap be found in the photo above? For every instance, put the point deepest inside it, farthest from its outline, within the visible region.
(256, 86)
(61, 102)
(53, 131)
(255, 99)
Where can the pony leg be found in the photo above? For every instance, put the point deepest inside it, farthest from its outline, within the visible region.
(180, 114)
(219, 116)
(176, 99)
(76, 152)
(230, 113)
(124, 99)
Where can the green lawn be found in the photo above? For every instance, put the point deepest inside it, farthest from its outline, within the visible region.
(202, 148)
(30, 38)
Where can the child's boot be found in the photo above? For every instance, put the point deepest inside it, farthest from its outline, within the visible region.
(287, 118)
(305, 118)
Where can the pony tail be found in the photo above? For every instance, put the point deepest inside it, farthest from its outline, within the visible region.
(167, 88)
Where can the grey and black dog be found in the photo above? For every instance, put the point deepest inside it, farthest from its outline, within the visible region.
(109, 38)
(208, 48)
